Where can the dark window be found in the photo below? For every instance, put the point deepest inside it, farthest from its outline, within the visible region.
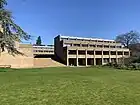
(76, 45)
(90, 52)
(100, 46)
(72, 52)
(112, 46)
(106, 46)
(84, 45)
(98, 52)
(81, 52)
(92, 45)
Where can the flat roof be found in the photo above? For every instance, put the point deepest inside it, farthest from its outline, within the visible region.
(44, 46)
(72, 37)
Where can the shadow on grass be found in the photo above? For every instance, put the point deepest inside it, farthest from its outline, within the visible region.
(7, 69)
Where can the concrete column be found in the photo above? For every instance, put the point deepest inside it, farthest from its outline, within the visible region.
(86, 57)
(67, 57)
(88, 45)
(116, 56)
(77, 57)
(123, 56)
(123, 53)
(109, 56)
(129, 53)
(102, 58)
(80, 44)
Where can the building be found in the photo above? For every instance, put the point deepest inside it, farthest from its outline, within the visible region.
(34, 57)
(70, 51)
(78, 51)
(43, 51)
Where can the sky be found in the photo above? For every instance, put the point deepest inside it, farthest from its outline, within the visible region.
(84, 18)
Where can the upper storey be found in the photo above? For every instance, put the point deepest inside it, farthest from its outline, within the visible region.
(89, 42)
(47, 50)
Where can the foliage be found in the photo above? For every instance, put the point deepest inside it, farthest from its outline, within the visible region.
(39, 41)
(9, 31)
(129, 64)
(126, 39)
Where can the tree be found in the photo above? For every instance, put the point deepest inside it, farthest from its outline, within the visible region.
(126, 39)
(38, 41)
(9, 31)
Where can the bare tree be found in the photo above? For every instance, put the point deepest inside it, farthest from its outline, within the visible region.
(126, 39)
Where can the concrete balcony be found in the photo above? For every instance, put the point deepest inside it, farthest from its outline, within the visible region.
(97, 49)
(89, 42)
(119, 56)
(90, 56)
(98, 56)
(106, 56)
(43, 53)
(43, 50)
(71, 56)
(114, 56)
(81, 56)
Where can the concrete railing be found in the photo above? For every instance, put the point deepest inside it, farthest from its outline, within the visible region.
(97, 49)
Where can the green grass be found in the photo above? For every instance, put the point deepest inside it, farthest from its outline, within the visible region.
(69, 86)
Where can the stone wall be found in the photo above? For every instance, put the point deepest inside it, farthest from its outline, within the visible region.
(17, 61)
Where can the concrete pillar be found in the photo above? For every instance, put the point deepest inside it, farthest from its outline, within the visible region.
(102, 58)
(116, 56)
(77, 57)
(67, 58)
(86, 57)
(129, 53)
(123, 53)
(109, 56)
(88, 45)
(123, 56)
(80, 44)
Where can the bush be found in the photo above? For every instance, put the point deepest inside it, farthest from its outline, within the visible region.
(135, 66)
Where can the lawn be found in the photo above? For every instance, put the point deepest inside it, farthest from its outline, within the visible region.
(69, 86)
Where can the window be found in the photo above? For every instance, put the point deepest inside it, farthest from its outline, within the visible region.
(126, 53)
(98, 52)
(90, 52)
(92, 45)
(84, 45)
(112, 46)
(106, 46)
(100, 46)
(106, 60)
(106, 41)
(105, 52)
(78, 45)
(100, 41)
(113, 52)
(119, 46)
(120, 53)
(81, 52)
(72, 52)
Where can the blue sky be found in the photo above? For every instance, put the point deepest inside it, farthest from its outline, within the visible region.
(85, 18)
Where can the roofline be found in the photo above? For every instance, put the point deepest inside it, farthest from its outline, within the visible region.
(44, 46)
(72, 37)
